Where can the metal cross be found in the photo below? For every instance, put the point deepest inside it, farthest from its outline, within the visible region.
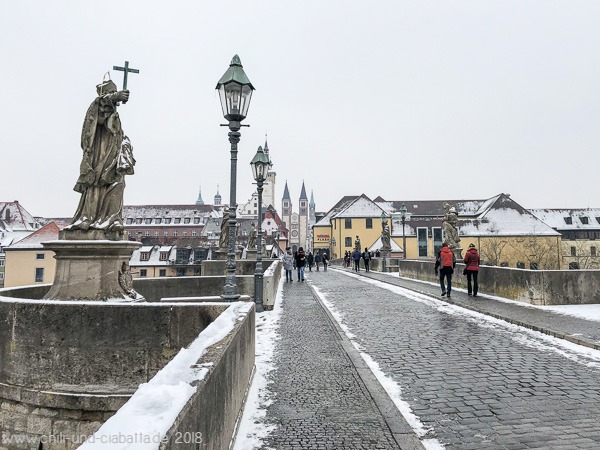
(125, 69)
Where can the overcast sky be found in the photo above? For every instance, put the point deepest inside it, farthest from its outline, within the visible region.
(407, 100)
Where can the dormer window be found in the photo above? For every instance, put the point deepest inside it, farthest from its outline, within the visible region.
(584, 220)
(144, 256)
(148, 221)
(568, 220)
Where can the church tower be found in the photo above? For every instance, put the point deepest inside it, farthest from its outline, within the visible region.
(217, 197)
(269, 186)
(199, 201)
(290, 219)
(303, 219)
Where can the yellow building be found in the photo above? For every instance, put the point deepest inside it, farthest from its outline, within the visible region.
(505, 233)
(27, 262)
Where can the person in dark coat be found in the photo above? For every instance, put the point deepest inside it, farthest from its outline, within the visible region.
(446, 262)
(310, 259)
(356, 255)
(325, 261)
(318, 260)
(300, 263)
(472, 270)
(366, 258)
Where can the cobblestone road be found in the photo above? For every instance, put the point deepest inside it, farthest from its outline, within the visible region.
(320, 402)
(474, 383)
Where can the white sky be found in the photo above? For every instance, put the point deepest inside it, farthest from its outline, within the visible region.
(408, 100)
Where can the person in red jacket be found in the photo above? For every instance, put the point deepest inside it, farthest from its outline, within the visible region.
(447, 261)
(472, 269)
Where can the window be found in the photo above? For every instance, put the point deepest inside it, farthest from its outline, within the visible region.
(504, 264)
(194, 233)
(181, 271)
(39, 256)
(592, 251)
(573, 266)
(533, 266)
(148, 221)
(196, 220)
(196, 271)
(369, 222)
(168, 220)
(162, 273)
(437, 239)
(175, 233)
(186, 220)
(147, 233)
(422, 241)
(348, 242)
(1, 262)
(177, 220)
(520, 265)
(568, 220)
(39, 275)
(129, 221)
(158, 221)
(165, 233)
(164, 256)
(144, 256)
(573, 251)
(598, 219)
(1, 275)
(584, 220)
(348, 224)
(143, 273)
(138, 221)
(156, 233)
(184, 233)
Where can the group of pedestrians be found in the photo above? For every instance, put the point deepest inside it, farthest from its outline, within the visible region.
(299, 260)
(355, 257)
(445, 263)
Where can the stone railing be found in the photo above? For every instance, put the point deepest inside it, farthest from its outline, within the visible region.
(536, 287)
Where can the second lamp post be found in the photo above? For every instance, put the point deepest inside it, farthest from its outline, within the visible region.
(260, 166)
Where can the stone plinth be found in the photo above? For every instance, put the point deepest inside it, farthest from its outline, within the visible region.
(92, 269)
(251, 254)
(457, 253)
(221, 254)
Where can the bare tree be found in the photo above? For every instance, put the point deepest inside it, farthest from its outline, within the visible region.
(492, 248)
(538, 251)
(583, 256)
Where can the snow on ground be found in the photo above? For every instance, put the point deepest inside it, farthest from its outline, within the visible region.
(252, 430)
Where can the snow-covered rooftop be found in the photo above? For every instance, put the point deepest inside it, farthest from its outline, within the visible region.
(580, 219)
(48, 232)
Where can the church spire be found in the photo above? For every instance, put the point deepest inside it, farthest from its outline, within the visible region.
(199, 201)
(312, 199)
(286, 192)
(303, 192)
(217, 197)
(266, 149)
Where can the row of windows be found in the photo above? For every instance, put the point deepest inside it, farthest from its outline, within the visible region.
(181, 272)
(584, 220)
(348, 223)
(156, 233)
(581, 234)
(166, 221)
(593, 251)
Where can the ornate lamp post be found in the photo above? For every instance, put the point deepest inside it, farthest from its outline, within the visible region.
(260, 165)
(235, 91)
(403, 211)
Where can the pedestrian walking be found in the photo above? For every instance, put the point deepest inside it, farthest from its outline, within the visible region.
(310, 259)
(347, 259)
(472, 269)
(318, 260)
(445, 261)
(366, 258)
(325, 261)
(356, 255)
(300, 263)
(288, 264)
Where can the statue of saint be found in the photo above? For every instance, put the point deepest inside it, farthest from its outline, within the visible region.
(107, 158)
(224, 238)
(385, 235)
(357, 243)
(252, 237)
(450, 226)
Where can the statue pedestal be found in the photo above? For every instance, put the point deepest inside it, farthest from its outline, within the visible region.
(92, 269)
(251, 254)
(221, 254)
(385, 259)
(458, 254)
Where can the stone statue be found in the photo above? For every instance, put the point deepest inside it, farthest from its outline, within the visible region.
(107, 158)
(385, 236)
(449, 226)
(126, 281)
(224, 238)
(357, 243)
(252, 237)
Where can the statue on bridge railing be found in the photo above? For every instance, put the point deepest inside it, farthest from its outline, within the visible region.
(386, 244)
(450, 227)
